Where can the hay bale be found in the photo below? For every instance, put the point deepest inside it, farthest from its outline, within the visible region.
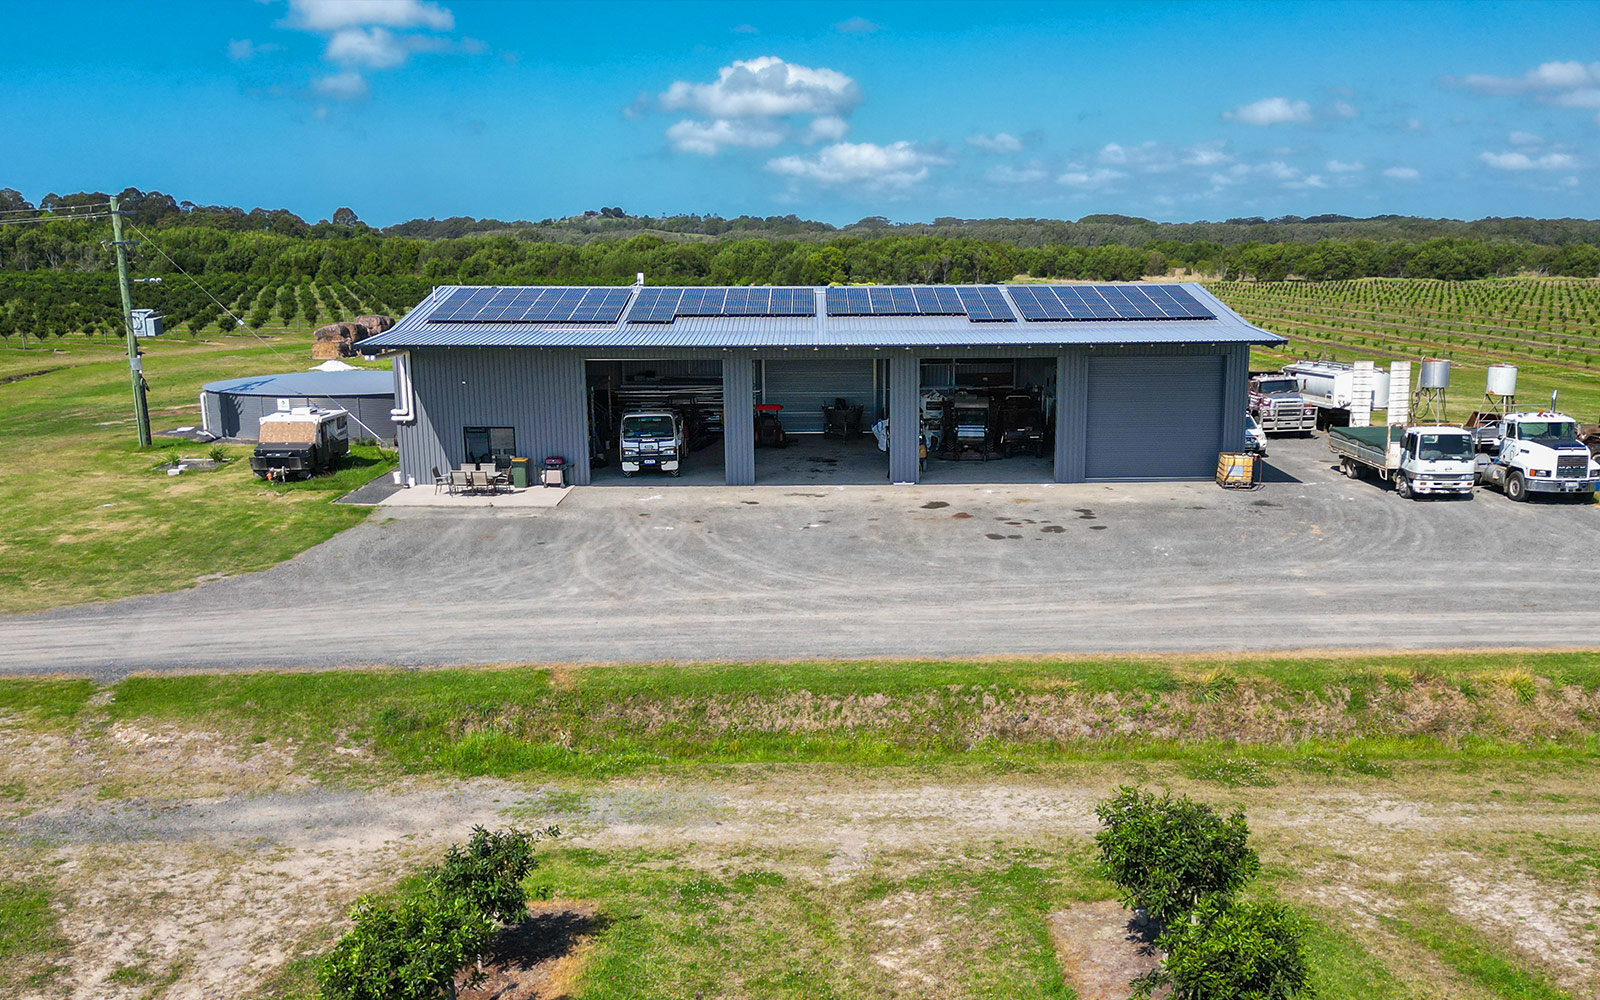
(330, 350)
(373, 324)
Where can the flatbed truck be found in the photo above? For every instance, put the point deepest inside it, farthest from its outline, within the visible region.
(1429, 460)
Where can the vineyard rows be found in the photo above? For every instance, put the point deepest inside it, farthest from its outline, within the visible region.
(1555, 322)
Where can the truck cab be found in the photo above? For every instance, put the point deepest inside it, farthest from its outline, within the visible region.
(1539, 453)
(1436, 460)
(651, 439)
(1279, 407)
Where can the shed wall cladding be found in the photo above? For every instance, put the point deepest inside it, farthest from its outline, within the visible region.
(1154, 417)
(233, 416)
(804, 386)
(539, 394)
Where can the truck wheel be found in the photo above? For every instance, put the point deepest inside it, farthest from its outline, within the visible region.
(1349, 468)
(1402, 486)
(1516, 487)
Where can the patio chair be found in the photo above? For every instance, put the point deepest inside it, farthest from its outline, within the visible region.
(460, 480)
(440, 480)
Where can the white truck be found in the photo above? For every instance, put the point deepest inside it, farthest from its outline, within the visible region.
(1278, 406)
(1329, 386)
(1538, 453)
(651, 439)
(1428, 460)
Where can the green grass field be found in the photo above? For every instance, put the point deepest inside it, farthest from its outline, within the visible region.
(704, 806)
(89, 518)
(1548, 327)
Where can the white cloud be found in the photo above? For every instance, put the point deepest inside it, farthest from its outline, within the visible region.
(746, 29)
(856, 26)
(1342, 110)
(375, 48)
(1414, 125)
(1310, 181)
(710, 138)
(244, 50)
(332, 15)
(1007, 174)
(1585, 97)
(1270, 111)
(1090, 180)
(1000, 142)
(827, 128)
(765, 87)
(341, 86)
(1207, 154)
(895, 167)
(1522, 161)
(1526, 139)
(1545, 76)
(1403, 173)
(1341, 167)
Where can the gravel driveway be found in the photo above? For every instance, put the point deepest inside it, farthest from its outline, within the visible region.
(686, 573)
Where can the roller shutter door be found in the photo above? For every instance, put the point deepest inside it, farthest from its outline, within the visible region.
(803, 388)
(1154, 417)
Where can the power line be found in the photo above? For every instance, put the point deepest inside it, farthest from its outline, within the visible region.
(64, 208)
(54, 218)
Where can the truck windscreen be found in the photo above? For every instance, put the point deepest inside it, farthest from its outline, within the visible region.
(647, 427)
(1278, 385)
(1548, 431)
(1444, 447)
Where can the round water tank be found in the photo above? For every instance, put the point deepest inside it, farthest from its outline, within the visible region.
(1380, 389)
(1502, 380)
(1435, 375)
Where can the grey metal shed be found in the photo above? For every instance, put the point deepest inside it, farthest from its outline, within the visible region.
(233, 408)
(525, 378)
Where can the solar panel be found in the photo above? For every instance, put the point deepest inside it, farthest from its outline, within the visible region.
(937, 300)
(655, 305)
(985, 304)
(1177, 303)
(1037, 304)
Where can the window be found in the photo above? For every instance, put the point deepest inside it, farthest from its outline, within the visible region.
(490, 444)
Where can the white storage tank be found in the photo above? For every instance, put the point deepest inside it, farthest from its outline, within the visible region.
(1502, 380)
(1435, 375)
(1380, 389)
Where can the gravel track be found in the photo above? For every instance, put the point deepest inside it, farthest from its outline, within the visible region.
(711, 573)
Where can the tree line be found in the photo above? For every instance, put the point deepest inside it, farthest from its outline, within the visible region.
(277, 246)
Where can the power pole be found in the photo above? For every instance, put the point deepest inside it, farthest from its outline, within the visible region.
(141, 409)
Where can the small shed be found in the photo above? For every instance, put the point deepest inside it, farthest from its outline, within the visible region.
(233, 408)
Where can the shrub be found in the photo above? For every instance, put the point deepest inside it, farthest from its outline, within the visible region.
(1232, 951)
(413, 946)
(1167, 854)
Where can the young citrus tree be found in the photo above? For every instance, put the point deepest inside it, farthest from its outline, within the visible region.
(1231, 950)
(1167, 854)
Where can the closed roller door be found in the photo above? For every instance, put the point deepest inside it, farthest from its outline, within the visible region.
(803, 388)
(1154, 418)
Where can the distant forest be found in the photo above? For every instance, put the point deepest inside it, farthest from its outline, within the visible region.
(610, 246)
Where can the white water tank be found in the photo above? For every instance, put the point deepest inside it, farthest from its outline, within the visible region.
(1435, 375)
(1380, 389)
(1502, 380)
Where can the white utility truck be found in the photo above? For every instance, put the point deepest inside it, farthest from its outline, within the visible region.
(1433, 460)
(1330, 387)
(1538, 453)
(651, 439)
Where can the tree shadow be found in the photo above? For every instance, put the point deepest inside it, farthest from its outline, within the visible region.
(544, 938)
(1142, 933)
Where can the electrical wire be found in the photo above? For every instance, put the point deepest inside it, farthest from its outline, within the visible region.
(54, 218)
(67, 208)
(240, 323)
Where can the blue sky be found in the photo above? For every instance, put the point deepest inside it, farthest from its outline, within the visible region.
(404, 108)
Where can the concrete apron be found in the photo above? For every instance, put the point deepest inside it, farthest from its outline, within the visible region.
(530, 498)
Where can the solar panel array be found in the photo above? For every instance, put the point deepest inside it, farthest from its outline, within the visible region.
(663, 305)
(531, 305)
(895, 300)
(1042, 303)
(979, 303)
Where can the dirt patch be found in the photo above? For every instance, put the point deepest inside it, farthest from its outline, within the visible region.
(1103, 948)
(542, 957)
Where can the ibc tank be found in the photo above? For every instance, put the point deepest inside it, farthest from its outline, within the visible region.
(1502, 380)
(1435, 375)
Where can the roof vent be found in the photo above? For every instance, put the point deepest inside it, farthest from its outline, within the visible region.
(638, 279)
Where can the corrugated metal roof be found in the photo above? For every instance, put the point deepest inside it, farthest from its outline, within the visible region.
(351, 383)
(1228, 327)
